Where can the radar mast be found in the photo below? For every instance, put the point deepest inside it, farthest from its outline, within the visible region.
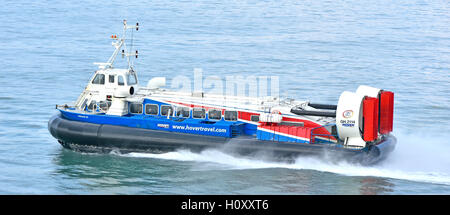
(120, 45)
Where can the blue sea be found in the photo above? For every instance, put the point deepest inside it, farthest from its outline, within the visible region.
(317, 49)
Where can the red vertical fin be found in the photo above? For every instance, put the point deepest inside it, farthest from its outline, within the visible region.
(386, 112)
(370, 111)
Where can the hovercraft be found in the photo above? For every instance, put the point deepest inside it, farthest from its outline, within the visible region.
(114, 113)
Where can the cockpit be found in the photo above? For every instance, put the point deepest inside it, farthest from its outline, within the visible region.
(124, 78)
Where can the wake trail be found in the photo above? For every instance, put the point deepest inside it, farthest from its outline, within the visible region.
(417, 157)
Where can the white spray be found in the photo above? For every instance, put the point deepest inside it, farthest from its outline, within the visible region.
(417, 157)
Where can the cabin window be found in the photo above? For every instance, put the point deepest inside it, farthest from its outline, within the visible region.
(151, 109)
(215, 114)
(199, 113)
(132, 79)
(92, 105)
(99, 79)
(104, 105)
(254, 118)
(120, 81)
(111, 78)
(231, 115)
(183, 112)
(166, 109)
(136, 108)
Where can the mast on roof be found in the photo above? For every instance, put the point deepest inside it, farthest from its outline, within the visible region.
(120, 45)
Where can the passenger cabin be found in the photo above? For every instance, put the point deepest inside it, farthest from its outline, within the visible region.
(152, 114)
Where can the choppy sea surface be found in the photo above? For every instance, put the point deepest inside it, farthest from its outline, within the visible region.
(317, 48)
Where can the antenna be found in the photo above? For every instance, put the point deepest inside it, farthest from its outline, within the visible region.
(120, 46)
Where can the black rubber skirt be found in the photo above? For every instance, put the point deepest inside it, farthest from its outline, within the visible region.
(103, 138)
